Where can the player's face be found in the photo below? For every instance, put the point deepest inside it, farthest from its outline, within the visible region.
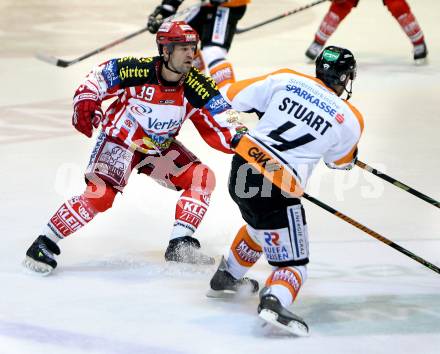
(181, 59)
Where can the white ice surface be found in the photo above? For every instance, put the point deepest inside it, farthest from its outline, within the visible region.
(114, 294)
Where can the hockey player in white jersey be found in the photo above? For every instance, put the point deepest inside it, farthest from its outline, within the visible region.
(302, 119)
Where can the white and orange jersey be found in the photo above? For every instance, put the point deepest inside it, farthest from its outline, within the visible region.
(301, 120)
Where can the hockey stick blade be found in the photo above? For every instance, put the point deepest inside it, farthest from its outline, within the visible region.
(52, 60)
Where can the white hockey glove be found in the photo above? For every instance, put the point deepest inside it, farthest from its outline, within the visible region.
(344, 166)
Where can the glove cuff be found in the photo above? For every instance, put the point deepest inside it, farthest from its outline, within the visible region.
(84, 94)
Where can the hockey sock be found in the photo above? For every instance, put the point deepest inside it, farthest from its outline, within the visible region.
(198, 182)
(219, 67)
(70, 217)
(402, 13)
(78, 211)
(337, 12)
(222, 73)
(411, 27)
(243, 254)
(190, 210)
(285, 283)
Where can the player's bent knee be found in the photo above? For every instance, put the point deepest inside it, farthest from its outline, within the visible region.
(100, 197)
(397, 7)
(202, 179)
(343, 8)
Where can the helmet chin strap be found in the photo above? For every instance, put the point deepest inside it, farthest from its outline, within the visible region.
(349, 92)
(174, 71)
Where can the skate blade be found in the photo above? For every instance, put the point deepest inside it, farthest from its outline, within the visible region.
(36, 268)
(242, 293)
(293, 327)
(421, 61)
(221, 294)
(188, 263)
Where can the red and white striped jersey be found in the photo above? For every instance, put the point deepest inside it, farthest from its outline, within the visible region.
(301, 119)
(149, 112)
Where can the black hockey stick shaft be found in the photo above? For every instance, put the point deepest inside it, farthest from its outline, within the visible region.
(276, 18)
(398, 184)
(65, 63)
(372, 233)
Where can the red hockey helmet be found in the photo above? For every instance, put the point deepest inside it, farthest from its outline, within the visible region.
(175, 32)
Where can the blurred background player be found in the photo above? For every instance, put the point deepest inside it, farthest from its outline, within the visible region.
(153, 97)
(215, 21)
(400, 10)
(302, 119)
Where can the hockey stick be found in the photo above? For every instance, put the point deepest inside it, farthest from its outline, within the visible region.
(397, 183)
(276, 18)
(267, 163)
(65, 63)
(373, 233)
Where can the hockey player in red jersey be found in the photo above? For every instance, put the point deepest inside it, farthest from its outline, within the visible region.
(215, 21)
(302, 119)
(154, 97)
(400, 10)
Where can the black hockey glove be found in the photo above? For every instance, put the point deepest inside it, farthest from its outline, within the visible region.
(157, 17)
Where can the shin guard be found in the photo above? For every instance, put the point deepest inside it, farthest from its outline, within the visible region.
(285, 283)
(243, 254)
(402, 13)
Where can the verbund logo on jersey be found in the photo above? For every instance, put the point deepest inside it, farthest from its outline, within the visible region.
(300, 92)
(155, 123)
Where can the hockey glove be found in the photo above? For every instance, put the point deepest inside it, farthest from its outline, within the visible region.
(239, 133)
(158, 16)
(87, 111)
(344, 166)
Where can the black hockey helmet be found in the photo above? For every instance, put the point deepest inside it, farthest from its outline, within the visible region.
(335, 66)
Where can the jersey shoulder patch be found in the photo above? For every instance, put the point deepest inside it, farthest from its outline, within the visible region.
(199, 89)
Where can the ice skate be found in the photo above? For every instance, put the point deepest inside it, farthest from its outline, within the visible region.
(271, 311)
(40, 256)
(313, 51)
(186, 250)
(224, 285)
(420, 53)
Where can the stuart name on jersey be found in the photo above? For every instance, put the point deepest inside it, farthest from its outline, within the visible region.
(305, 115)
(311, 104)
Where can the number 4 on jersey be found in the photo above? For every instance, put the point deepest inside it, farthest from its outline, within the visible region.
(286, 144)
